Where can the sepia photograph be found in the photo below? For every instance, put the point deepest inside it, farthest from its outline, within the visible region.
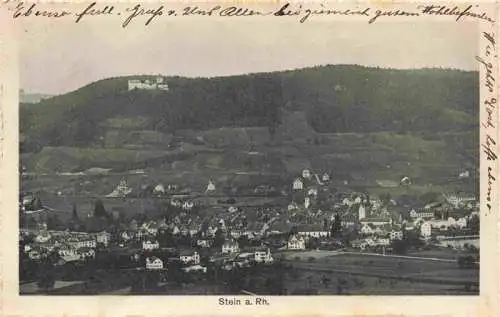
(243, 159)
(328, 173)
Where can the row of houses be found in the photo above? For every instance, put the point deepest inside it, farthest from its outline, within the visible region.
(309, 179)
(427, 228)
(192, 259)
(69, 245)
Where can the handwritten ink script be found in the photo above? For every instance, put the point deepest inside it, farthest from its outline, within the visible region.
(489, 106)
(302, 12)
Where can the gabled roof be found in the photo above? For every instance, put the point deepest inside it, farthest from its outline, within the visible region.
(298, 178)
(296, 237)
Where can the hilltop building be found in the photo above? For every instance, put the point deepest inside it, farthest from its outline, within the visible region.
(157, 84)
(464, 174)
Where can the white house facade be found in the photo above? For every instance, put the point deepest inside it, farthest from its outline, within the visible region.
(154, 263)
(426, 230)
(396, 235)
(263, 256)
(190, 257)
(230, 246)
(296, 243)
(148, 84)
(149, 245)
(298, 184)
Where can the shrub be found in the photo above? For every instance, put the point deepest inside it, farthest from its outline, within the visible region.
(466, 262)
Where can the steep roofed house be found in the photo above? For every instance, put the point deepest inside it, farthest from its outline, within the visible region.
(298, 184)
(189, 256)
(263, 255)
(210, 187)
(150, 245)
(103, 237)
(86, 253)
(154, 263)
(204, 243)
(296, 243)
(230, 246)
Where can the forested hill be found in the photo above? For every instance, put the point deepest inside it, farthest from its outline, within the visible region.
(342, 98)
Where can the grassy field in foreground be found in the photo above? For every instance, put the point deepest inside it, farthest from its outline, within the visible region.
(422, 271)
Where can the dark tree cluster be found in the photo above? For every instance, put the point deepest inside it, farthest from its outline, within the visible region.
(334, 99)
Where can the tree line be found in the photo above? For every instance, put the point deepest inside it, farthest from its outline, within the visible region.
(334, 98)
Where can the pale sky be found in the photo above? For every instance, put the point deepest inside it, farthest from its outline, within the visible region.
(56, 60)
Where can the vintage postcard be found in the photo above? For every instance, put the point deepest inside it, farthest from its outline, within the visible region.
(249, 158)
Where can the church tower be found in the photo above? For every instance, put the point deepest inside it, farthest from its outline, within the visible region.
(361, 212)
